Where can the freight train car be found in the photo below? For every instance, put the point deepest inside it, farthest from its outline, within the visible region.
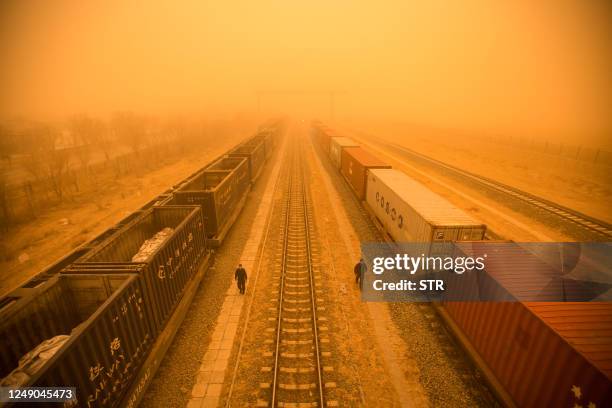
(254, 151)
(270, 133)
(164, 246)
(270, 139)
(534, 353)
(53, 269)
(221, 191)
(90, 332)
(543, 354)
(323, 135)
(410, 212)
(336, 145)
(354, 165)
(157, 200)
(106, 304)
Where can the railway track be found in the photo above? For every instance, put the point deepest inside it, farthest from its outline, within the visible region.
(591, 228)
(297, 370)
(284, 358)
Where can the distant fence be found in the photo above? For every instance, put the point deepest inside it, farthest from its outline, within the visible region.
(577, 152)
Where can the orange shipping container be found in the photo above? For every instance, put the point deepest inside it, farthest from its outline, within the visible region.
(544, 354)
(355, 162)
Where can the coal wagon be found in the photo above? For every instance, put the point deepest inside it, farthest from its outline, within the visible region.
(90, 332)
(164, 246)
(220, 190)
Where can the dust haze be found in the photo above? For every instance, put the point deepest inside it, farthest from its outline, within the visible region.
(540, 69)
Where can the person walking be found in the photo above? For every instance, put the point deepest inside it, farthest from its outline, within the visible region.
(360, 270)
(240, 276)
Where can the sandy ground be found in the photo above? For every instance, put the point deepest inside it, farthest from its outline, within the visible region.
(56, 232)
(576, 184)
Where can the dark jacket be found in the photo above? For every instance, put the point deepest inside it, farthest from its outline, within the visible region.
(359, 268)
(240, 274)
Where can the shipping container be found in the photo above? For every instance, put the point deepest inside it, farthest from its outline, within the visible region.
(325, 139)
(335, 148)
(355, 161)
(167, 268)
(410, 212)
(220, 189)
(322, 136)
(541, 353)
(255, 152)
(103, 330)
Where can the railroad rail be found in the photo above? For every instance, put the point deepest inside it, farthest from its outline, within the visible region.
(596, 229)
(297, 372)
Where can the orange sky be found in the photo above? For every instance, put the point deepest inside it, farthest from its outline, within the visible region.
(505, 65)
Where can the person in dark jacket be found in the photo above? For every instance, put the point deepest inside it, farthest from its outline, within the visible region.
(360, 270)
(240, 276)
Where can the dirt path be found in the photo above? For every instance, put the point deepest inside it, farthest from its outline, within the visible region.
(394, 352)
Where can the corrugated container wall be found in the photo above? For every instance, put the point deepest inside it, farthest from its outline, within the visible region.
(539, 351)
(168, 269)
(219, 189)
(255, 153)
(535, 364)
(410, 212)
(335, 148)
(109, 334)
(325, 138)
(355, 161)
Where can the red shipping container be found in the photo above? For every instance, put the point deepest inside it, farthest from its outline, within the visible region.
(325, 136)
(354, 163)
(544, 354)
(538, 365)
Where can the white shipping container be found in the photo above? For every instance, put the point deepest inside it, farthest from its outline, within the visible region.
(335, 148)
(410, 212)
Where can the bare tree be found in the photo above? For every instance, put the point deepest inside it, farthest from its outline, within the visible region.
(82, 129)
(57, 159)
(129, 128)
(5, 145)
(33, 148)
(4, 203)
(101, 138)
